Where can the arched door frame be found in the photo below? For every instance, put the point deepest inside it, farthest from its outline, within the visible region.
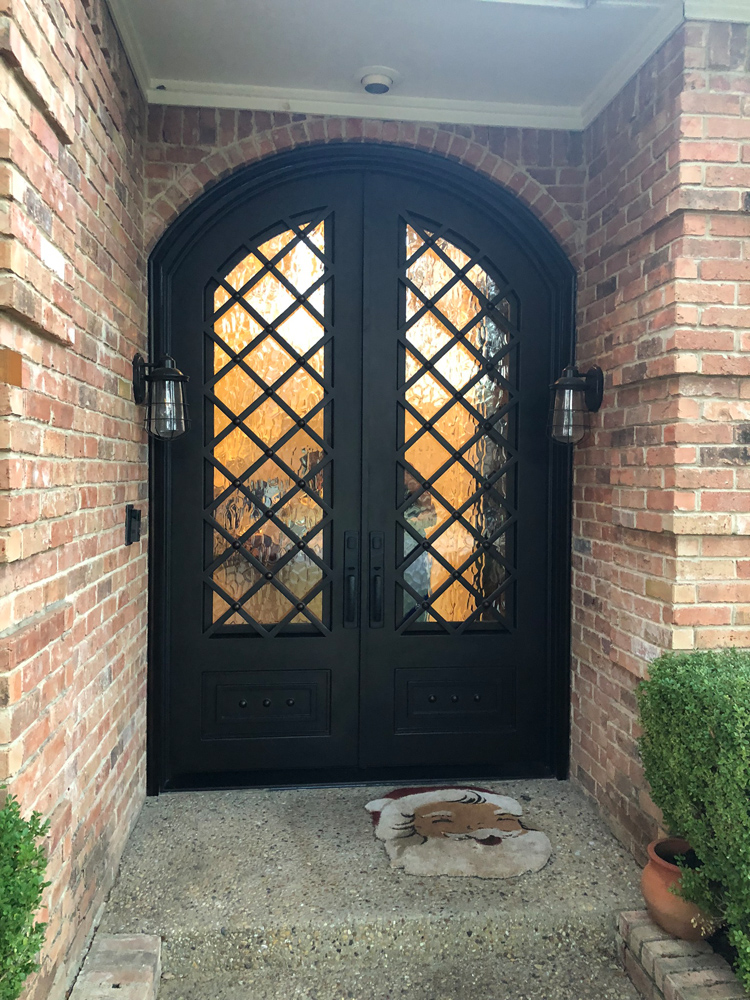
(532, 237)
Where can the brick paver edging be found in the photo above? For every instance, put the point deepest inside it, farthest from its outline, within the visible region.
(129, 963)
(664, 968)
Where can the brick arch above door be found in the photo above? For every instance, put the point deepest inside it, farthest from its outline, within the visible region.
(190, 149)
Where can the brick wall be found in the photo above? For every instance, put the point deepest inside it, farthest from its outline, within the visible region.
(189, 149)
(661, 500)
(72, 311)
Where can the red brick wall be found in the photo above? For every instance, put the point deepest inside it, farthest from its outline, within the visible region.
(189, 149)
(661, 496)
(72, 311)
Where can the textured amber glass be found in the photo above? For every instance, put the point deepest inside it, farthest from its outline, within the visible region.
(459, 330)
(271, 281)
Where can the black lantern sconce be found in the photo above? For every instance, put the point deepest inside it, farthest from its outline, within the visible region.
(162, 388)
(573, 396)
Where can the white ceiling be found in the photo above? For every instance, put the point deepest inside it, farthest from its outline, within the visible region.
(549, 63)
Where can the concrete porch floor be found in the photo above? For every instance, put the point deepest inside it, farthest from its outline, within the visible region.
(260, 894)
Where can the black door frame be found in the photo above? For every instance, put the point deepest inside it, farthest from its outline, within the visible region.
(532, 237)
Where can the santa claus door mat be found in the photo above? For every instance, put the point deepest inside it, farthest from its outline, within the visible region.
(457, 831)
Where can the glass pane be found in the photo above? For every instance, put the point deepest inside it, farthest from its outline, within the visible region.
(273, 477)
(452, 545)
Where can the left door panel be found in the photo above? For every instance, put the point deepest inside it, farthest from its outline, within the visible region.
(264, 314)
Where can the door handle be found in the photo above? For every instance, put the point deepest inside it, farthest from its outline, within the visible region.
(351, 578)
(377, 546)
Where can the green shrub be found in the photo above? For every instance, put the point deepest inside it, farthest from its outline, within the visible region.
(695, 712)
(22, 867)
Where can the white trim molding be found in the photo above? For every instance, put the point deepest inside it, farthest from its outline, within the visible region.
(737, 11)
(131, 42)
(625, 69)
(321, 102)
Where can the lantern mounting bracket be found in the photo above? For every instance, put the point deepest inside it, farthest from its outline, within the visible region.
(140, 376)
(593, 391)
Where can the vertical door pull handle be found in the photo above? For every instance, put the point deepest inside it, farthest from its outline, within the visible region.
(351, 579)
(377, 553)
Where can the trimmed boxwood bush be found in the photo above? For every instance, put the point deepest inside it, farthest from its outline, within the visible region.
(695, 712)
(22, 867)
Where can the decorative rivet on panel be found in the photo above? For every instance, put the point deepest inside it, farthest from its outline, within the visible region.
(243, 703)
(432, 698)
(266, 703)
(290, 702)
(454, 698)
(268, 576)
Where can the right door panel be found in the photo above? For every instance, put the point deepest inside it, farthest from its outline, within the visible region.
(455, 493)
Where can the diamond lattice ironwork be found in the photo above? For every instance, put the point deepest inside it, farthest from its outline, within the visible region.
(267, 450)
(457, 457)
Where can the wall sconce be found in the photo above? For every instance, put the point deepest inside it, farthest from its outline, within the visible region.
(573, 396)
(162, 388)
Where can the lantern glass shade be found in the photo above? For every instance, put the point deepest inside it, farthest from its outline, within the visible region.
(166, 409)
(568, 415)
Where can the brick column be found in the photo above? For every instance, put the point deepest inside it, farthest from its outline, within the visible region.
(661, 509)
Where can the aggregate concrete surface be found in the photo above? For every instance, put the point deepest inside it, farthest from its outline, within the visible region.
(567, 979)
(289, 889)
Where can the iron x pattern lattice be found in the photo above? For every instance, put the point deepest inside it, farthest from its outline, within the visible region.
(267, 445)
(459, 342)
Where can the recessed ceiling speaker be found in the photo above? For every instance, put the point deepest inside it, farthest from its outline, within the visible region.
(377, 83)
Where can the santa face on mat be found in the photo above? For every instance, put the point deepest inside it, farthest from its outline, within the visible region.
(458, 831)
(465, 821)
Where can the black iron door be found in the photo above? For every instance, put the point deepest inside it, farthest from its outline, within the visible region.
(359, 521)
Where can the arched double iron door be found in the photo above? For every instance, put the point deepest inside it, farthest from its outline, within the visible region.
(359, 564)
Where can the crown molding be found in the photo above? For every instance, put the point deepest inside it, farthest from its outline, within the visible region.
(737, 11)
(191, 94)
(131, 43)
(644, 46)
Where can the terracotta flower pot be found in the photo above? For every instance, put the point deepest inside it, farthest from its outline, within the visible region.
(670, 912)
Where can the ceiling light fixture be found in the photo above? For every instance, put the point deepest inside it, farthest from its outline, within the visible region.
(378, 80)
(377, 83)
